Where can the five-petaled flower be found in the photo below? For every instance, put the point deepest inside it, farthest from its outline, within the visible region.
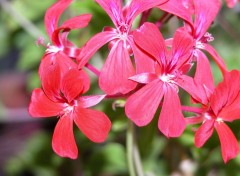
(223, 106)
(61, 96)
(61, 50)
(170, 70)
(118, 66)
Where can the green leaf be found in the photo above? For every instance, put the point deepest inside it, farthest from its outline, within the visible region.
(110, 159)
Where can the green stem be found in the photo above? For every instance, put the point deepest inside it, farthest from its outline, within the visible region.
(134, 161)
(130, 136)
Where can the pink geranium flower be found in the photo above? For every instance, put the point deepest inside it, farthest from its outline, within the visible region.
(223, 106)
(204, 12)
(118, 66)
(170, 69)
(61, 97)
(61, 48)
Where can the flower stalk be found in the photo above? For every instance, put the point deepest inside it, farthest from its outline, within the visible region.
(133, 157)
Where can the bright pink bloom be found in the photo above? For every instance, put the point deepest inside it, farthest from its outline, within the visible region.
(61, 49)
(60, 97)
(170, 69)
(223, 106)
(204, 13)
(118, 66)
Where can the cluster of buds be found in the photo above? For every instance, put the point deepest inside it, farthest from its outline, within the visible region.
(142, 67)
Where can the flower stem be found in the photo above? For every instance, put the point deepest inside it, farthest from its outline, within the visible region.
(93, 69)
(196, 110)
(129, 144)
(133, 157)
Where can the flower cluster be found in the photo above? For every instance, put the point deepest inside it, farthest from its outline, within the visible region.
(143, 67)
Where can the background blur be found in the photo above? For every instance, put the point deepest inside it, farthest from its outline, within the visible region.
(25, 142)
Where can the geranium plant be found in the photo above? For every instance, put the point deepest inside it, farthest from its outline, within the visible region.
(143, 68)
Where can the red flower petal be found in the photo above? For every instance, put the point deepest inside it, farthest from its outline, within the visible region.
(171, 121)
(96, 42)
(51, 82)
(219, 61)
(182, 48)
(198, 92)
(116, 71)
(149, 38)
(142, 105)
(64, 62)
(113, 9)
(180, 8)
(138, 6)
(232, 111)
(73, 83)
(229, 143)
(144, 77)
(76, 22)
(144, 63)
(226, 92)
(204, 132)
(206, 12)
(42, 106)
(89, 101)
(63, 141)
(94, 124)
(52, 15)
(203, 74)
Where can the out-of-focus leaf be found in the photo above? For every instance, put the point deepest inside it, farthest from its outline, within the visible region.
(30, 57)
(4, 38)
(110, 159)
(28, 8)
(33, 81)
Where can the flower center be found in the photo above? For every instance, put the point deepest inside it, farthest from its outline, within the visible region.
(167, 78)
(52, 49)
(69, 107)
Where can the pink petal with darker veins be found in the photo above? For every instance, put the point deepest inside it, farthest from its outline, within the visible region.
(171, 121)
(226, 92)
(64, 62)
(144, 78)
(138, 6)
(76, 22)
(219, 61)
(63, 142)
(229, 143)
(92, 123)
(180, 8)
(52, 15)
(232, 111)
(182, 48)
(197, 91)
(92, 46)
(205, 11)
(116, 71)
(149, 38)
(41, 106)
(73, 83)
(204, 132)
(51, 81)
(142, 105)
(113, 8)
(143, 61)
(203, 74)
(90, 100)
